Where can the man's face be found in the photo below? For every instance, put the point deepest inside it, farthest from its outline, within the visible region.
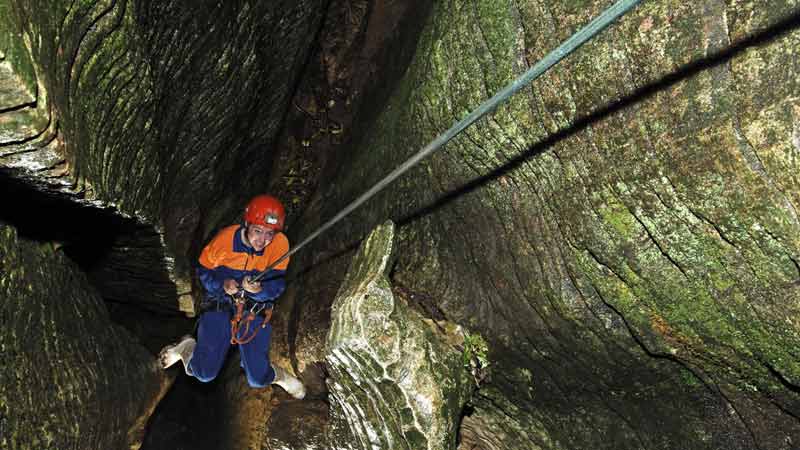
(259, 236)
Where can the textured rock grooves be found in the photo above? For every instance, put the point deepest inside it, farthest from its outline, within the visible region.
(124, 256)
(132, 129)
(624, 231)
(395, 382)
(71, 377)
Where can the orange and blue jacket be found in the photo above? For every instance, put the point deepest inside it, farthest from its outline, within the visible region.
(226, 256)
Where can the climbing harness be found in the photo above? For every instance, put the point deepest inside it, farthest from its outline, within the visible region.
(243, 312)
(266, 211)
(565, 49)
(241, 319)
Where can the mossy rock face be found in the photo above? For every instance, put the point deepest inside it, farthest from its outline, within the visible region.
(624, 231)
(161, 102)
(395, 381)
(164, 110)
(162, 113)
(70, 377)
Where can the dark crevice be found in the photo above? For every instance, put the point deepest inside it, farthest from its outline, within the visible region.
(121, 256)
(713, 224)
(796, 265)
(636, 338)
(419, 301)
(658, 244)
(55, 217)
(19, 107)
(467, 411)
(779, 404)
(783, 380)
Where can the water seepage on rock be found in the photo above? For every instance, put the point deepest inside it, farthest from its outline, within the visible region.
(395, 381)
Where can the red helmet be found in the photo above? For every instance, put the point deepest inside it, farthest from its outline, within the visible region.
(265, 210)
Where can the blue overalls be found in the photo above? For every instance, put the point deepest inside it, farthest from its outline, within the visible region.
(227, 257)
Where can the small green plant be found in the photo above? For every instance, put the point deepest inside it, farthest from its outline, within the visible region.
(476, 356)
(689, 378)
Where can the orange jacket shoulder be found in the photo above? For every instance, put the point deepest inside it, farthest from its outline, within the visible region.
(276, 249)
(221, 244)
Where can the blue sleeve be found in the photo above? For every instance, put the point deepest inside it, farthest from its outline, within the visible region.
(212, 280)
(272, 285)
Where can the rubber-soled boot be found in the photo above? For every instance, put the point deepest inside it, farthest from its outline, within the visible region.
(181, 351)
(289, 383)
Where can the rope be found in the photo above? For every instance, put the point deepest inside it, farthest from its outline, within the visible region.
(236, 324)
(565, 49)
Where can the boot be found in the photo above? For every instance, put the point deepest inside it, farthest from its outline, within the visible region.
(289, 383)
(182, 351)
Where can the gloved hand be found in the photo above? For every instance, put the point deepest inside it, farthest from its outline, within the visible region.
(253, 287)
(230, 286)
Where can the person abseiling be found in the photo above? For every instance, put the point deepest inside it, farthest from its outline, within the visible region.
(237, 310)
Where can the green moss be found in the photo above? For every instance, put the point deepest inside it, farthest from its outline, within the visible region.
(690, 379)
(617, 215)
(12, 45)
(475, 357)
(23, 124)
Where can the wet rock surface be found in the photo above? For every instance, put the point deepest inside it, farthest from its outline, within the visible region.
(394, 379)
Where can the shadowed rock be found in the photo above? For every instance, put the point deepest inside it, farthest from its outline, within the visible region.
(70, 378)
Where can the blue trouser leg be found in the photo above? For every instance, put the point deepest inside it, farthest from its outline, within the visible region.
(213, 342)
(255, 356)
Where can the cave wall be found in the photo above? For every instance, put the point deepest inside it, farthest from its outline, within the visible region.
(623, 232)
(161, 114)
(70, 378)
(397, 380)
(165, 110)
